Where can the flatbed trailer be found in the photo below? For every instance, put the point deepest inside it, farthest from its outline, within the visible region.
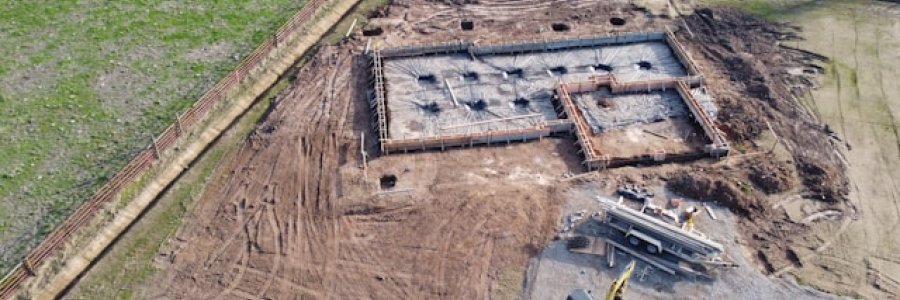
(656, 236)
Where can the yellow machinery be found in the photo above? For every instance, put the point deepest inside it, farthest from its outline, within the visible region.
(617, 289)
(690, 214)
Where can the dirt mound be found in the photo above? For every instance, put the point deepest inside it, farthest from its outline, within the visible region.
(737, 196)
(818, 179)
(771, 176)
(748, 51)
(742, 124)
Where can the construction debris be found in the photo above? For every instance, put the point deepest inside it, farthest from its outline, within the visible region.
(710, 211)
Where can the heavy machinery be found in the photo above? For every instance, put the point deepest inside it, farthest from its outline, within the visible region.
(661, 239)
(617, 288)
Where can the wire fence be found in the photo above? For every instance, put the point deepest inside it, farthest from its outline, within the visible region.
(142, 162)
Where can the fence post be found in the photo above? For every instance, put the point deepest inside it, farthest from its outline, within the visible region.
(178, 124)
(155, 147)
(27, 267)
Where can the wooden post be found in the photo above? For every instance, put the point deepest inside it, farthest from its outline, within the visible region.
(452, 94)
(28, 268)
(178, 124)
(351, 28)
(362, 151)
(155, 147)
(777, 139)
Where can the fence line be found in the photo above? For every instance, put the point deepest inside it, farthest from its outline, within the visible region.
(142, 162)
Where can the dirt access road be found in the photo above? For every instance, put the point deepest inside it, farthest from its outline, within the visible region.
(296, 216)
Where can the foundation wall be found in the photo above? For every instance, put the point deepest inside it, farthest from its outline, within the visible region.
(523, 46)
(647, 159)
(463, 140)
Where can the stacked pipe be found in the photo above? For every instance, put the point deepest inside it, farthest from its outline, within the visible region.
(650, 224)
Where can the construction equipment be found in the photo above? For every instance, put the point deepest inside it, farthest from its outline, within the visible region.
(617, 288)
(660, 238)
(690, 215)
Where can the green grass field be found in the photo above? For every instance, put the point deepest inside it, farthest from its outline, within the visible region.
(85, 84)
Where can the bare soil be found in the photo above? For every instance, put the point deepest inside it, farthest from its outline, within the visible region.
(299, 217)
(674, 135)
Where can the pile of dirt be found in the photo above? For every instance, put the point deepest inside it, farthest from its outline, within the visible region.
(771, 176)
(748, 72)
(818, 180)
(706, 186)
(742, 124)
(755, 94)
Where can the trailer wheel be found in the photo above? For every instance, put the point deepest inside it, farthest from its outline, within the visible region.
(634, 241)
(652, 249)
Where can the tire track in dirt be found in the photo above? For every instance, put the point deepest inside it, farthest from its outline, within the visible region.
(273, 223)
(837, 83)
(893, 119)
(241, 260)
(251, 237)
(432, 238)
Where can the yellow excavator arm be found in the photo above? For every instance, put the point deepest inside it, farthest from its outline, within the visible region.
(617, 289)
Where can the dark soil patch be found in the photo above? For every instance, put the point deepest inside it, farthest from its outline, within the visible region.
(603, 67)
(644, 65)
(476, 105)
(818, 178)
(388, 181)
(427, 79)
(616, 21)
(375, 31)
(713, 187)
(770, 176)
(516, 73)
(521, 103)
(559, 27)
(466, 25)
(559, 70)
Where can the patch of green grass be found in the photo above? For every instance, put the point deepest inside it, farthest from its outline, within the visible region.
(130, 263)
(85, 84)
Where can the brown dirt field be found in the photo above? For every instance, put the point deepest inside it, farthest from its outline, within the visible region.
(297, 218)
(674, 135)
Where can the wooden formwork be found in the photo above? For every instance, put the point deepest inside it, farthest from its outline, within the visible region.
(442, 142)
(380, 105)
(595, 159)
